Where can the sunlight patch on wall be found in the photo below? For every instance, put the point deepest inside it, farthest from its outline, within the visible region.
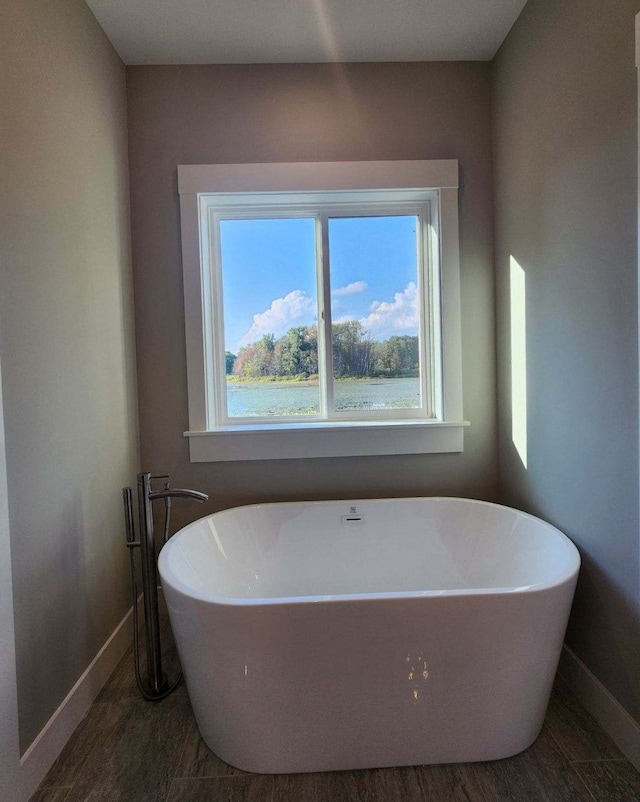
(518, 360)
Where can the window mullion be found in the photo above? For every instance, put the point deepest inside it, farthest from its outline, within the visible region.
(217, 378)
(325, 359)
(431, 305)
(426, 313)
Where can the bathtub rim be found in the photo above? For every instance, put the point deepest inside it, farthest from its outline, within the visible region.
(259, 601)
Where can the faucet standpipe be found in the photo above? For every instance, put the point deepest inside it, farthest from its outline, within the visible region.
(156, 687)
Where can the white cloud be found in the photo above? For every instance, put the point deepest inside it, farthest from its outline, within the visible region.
(295, 308)
(399, 316)
(351, 289)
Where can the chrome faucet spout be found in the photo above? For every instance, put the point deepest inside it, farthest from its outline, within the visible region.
(178, 492)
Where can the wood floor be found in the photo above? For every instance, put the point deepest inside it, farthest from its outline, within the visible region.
(130, 750)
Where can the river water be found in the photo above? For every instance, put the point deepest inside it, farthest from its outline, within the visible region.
(251, 399)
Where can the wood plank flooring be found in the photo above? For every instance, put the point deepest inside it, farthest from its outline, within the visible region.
(129, 750)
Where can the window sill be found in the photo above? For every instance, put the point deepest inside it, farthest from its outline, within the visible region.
(334, 439)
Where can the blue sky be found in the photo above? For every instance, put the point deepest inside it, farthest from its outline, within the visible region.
(269, 283)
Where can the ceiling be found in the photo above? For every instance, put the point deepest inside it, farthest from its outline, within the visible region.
(292, 31)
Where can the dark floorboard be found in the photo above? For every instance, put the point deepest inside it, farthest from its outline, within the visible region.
(129, 750)
(222, 789)
(577, 734)
(611, 781)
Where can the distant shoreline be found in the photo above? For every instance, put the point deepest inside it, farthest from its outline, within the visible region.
(311, 382)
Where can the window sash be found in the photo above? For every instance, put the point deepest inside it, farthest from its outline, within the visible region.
(347, 204)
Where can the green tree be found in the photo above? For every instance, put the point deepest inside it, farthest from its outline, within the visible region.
(397, 356)
(296, 352)
(353, 349)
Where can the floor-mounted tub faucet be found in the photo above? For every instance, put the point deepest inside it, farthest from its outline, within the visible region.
(156, 686)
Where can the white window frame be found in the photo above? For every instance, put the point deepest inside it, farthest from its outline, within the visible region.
(215, 208)
(210, 191)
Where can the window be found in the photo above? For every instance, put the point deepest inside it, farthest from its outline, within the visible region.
(322, 309)
(322, 306)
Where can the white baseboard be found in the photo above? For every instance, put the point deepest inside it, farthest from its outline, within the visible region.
(605, 708)
(50, 741)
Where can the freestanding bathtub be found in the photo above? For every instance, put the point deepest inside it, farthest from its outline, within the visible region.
(356, 634)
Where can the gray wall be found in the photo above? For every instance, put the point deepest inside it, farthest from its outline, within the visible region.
(265, 113)
(566, 208)
(66, 338)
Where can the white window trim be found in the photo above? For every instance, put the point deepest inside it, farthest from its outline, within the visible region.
(327, 438)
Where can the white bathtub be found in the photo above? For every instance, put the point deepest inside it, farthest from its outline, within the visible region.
(334, 635)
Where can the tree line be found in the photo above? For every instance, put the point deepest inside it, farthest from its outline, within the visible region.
(355, 354)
